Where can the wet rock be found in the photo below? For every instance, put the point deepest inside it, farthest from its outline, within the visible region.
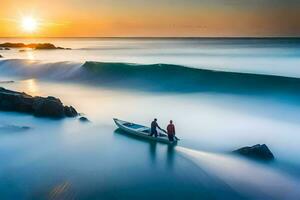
(70, 111)
(84, 119)
(24, 128)
(261, 152)
(37, 46)
(7, 81)
(38, 106)
(43, 46)
(12, 45)
(48, 107)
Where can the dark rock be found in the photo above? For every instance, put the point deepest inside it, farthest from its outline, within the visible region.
(70, 111)
(1, 56)
(48, 107)
(37, 46)
(258, 151)
(38, 106)
(83, 119)
(12, 45)
(10, 100)
(7, 81)
(24, 103)
(25, 128)
(42, 46)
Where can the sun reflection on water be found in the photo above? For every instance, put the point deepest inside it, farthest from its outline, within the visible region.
(30, 55)
(31, 87)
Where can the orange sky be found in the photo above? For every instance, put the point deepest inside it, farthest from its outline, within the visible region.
(98, 18)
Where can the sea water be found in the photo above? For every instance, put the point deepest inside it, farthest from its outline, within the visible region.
(213, 114)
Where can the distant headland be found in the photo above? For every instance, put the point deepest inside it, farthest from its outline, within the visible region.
(37, 46)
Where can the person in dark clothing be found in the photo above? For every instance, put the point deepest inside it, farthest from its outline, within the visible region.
(171, 131)
(154, 125)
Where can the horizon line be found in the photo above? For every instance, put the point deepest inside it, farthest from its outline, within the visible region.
(166, 37)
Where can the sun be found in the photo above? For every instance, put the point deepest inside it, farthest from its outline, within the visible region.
(29, 24)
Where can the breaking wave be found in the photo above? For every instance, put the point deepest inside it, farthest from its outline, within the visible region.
(156, 77)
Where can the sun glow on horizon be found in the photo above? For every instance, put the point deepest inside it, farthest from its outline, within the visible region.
(29, 24)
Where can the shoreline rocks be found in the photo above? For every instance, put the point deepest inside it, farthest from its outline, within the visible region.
(7, 81)
(1, 56)
(38, 106)
(36, 46)
(260, 152)
(84, 119)
(70, 111)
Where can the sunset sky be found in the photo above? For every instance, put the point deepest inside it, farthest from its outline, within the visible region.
(117, 18)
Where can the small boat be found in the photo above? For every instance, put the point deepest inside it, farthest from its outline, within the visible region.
(142, 131)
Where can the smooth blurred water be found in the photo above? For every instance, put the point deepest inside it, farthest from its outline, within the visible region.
(67, 159)
(266, 56)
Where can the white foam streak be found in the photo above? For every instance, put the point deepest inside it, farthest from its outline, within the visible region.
(258, 181)
(39, 69)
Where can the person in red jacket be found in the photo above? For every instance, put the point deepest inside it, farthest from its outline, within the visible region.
(171, 131)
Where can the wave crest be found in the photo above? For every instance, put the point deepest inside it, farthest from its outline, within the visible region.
(158, 77)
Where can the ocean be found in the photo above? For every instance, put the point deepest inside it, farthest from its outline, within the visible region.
(222, 94)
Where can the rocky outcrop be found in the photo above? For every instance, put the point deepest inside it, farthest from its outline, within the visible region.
(12, 45)
(43, 46)
(70, 111)
(48, 107)
(38, 106)
(7, 81)
(261, 152)
(84, 119)
(1, 56)
(37, 46)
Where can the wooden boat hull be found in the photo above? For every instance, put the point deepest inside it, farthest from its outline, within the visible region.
(141, 131)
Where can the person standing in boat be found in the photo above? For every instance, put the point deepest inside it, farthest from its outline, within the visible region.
(171, 131)
(154, 125)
